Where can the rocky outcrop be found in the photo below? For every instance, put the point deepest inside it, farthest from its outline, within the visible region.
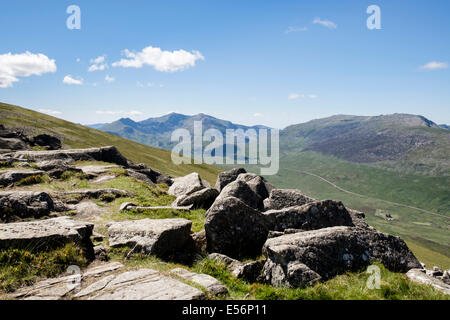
(47, 141)
(300, 259)
(13, 176)
(161, 237)
(203, 199)
(105, 154)
(186, 185)
(421, 276)
(234, 228)
(13, 144)
(45, 234)
(242, 191)
(256, 183)
(211, 285)
(315, 215)
(15, 205)
(227, 177)
(284, 198)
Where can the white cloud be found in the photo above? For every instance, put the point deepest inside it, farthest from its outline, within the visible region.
(110, 79)
(13, 66)
(296, 96)
(70, 80)
(434, 65)
(164, 61)
(295, 29)
(98, 64)
(49, 111)
(326, 23)
(115, 113)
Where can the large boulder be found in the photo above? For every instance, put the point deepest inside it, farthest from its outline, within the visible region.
(315, 215)
(14, 176)
(284, 198)
(234, 228)
(16, 205)
(47, 141)
(300, 259)
(241, 190)
(256, 183)
(141, 177)
(161, 237)
(105, 154)
(44, 234)
(203, 198)
(186, 185)
(227, 177)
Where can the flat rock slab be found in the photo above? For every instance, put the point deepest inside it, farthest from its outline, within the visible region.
(211, 284)
(151, 236)
(61, 287)
(96, 193)
(87, 209)
(186, 185)
(24, 204)
(44, 233)
(14, 176)
(143, 284)
(419, 276)
(96, 169)
(105, 154)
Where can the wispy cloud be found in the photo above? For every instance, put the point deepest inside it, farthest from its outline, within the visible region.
(49, 111)
(295, 29)
(109, 79)
(435, 65)
(72, 81)
(98, 64)
(296, 96)
(163, 61)
(326, 23)
(13, 66)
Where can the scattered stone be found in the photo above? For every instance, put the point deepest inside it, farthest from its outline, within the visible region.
(235, 229)
(87, 208)
(212, 285)
(200, 199)
(250, 271)
(14, 176)
(299, 259)
(16, 205)
(227, 177)
(285, 198)
(101, 253)
(141, 177)
(105, 154)
(186, 185)
(45, 233)
(151, 236)
(311, 216)
(418, 276)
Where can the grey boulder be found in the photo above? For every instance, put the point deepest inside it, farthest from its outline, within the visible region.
(203, 198)
(227, 177)
(14, 176)
(186, 185)
(284, 198)
(16, 205)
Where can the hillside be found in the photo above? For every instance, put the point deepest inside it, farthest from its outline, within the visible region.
(156, 132)
(78, 136)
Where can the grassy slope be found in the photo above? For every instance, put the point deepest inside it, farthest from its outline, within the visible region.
(428, 235)
(78, 136)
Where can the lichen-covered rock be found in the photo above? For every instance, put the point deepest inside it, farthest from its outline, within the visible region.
(227, 177)
(311, 216)
(234, 228)
(285, 198)
(15, 205)
(161, 237)
(203, 198)
(186, 185)
(302, 258)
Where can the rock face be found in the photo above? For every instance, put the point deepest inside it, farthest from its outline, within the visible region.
(161, 237)
(143, 284)
(284, 198)
(315, 215)
(203, 198)
(420, 276)
(227, 177)
(16, 205)
(44, 234)
(299, 259)
(105, 154)
(14, 176)
(234, 228)
(186, 185)
(212, 285)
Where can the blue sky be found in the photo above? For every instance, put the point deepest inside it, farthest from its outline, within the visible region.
(251, 62)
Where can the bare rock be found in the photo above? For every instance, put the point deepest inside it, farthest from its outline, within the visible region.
(141, 177)
(212, 285)
(227, 177)
(203, 198)
(47, 141)
(285, 198)
(241, 190)
(151, 236)
(418, 276)
(16, 205)
(14, 176)
(199, 241)
(256, 183)
(12, 144)
(186, 185)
